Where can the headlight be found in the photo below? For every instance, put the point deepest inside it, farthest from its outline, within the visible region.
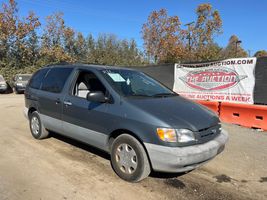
(19, 84)
(3, 85)
(175, 135)
(167, 134)
(185, 135)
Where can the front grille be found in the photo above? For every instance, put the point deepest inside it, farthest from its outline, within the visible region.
(207, 134)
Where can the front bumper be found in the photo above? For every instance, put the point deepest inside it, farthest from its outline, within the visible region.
(20, 88)
(3, 88)
(182, 159)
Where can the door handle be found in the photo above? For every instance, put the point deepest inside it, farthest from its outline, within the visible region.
(67, 103)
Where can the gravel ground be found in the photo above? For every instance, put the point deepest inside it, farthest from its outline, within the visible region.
(61, 168)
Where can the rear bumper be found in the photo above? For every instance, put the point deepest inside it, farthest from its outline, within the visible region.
(182, 159)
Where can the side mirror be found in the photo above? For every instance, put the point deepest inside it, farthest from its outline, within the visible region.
(97, 96)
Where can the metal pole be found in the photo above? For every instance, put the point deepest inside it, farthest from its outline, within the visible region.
(235, 49)
(189, 41)
(249, 53)
(237, 42)
(189, 35)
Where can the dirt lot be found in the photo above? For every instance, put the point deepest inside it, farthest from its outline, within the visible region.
(60, 168)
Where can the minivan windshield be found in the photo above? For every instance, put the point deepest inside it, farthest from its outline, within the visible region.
(134, 83)
(23, 77)
(1, 78)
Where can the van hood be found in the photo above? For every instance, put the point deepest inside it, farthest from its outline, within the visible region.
(177, 111)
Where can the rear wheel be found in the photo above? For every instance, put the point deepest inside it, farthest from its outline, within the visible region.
(37, 129)
(129, 159)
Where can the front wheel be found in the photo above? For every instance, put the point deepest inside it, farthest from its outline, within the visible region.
(37, 129)
(129, 159)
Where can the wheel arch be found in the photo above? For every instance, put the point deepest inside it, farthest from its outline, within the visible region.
(31, 110)
(119, 132)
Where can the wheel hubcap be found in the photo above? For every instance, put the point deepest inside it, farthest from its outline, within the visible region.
(35, 125)
(126, 158)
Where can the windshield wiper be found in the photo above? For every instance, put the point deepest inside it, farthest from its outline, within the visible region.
(139, 95)
(164, 94)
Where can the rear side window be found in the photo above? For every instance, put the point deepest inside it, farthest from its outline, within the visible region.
(37, 78)
(55, 79)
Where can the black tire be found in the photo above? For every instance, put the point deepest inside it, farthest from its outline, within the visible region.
(42, 132)
(142, 163)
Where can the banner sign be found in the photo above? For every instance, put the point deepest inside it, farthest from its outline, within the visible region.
(230, 80)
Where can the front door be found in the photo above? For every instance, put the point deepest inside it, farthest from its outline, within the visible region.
(84, 120)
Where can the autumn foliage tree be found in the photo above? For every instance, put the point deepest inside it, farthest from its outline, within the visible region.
(22, 50)
(80, 47)
(208, 25)
(233, 49)
(26, 45)
(56, 40)
(17, 39)
(261, 53)
(165, 41)
(108, 49)
(163, 37)
(15, 36)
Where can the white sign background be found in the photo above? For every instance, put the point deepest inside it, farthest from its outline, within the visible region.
(230, 80)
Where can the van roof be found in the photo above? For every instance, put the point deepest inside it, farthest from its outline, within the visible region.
(98, 67)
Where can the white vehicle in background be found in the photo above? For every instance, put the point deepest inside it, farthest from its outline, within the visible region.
(3, 85)
(20, 82)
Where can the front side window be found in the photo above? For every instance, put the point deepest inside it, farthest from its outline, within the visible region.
(56, 79)
(23, 78)
(134, 83)
(87, 82)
